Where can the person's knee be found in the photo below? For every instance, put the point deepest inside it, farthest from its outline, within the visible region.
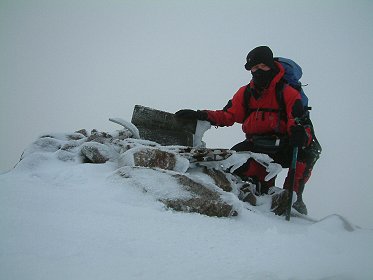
(242, 146)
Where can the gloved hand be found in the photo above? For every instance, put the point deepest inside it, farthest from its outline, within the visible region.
(192, 114)
(298, 136)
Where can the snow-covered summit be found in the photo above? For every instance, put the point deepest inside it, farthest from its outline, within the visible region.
(107, 206)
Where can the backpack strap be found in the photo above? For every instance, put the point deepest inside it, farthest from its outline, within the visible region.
(280, 99)
(246, 100)
(281, 103)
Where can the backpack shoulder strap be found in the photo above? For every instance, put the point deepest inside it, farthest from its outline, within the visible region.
(246, 101)
(280, 99)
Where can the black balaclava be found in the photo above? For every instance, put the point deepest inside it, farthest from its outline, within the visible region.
(262, 78)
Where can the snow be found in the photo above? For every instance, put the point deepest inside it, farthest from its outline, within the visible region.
(159, 184)
(68, 220)
(201, 128)
(127, 125)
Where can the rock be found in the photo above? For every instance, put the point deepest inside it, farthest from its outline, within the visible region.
(247, 194)
(96, 152)
(204, 201)
(47, 144)
(154, 158)
(202, 206)
(219, 177)
(196, 188)
(178, 191)
(83, 132)
(99, 137)
(65, 155)
(70, 145)
(123, 134)
(76, 136)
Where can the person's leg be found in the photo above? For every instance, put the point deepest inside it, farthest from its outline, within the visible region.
(302, 175)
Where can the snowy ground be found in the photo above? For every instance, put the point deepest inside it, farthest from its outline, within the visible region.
(68, 221)
(77, 221)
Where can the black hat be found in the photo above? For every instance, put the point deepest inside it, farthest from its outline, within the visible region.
(262, 54)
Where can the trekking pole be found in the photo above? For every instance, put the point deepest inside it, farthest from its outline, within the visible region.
(292, 182)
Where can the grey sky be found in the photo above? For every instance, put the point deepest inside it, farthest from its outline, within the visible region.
(67, 65)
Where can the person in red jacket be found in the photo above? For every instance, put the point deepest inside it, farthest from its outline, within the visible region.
(267, 129)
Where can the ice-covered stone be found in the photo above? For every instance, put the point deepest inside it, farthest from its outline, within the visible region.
(219, 178)
(97, 152)
(177, 191)
(153, 158)
(204, 200)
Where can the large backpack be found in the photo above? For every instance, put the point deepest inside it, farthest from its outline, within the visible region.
(293, 73)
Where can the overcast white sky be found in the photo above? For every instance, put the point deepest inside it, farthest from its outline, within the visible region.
(67, 65)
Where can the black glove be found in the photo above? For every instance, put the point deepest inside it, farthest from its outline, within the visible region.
(298, 136)
(192, 115)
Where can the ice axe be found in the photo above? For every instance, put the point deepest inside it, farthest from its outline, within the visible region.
(292, 181)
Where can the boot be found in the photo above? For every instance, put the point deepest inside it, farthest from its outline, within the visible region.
(299, 205)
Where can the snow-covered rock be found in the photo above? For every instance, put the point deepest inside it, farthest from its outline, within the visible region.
(177, 191)
(201, 172)
(205, 200)
(130, 154)
(97, 152)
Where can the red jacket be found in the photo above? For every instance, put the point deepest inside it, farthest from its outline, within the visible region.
(259, 122)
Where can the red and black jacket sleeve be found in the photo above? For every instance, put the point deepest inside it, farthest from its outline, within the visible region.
(233, 112)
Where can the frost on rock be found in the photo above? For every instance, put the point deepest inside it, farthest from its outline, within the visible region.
(149, 157)
(152, 157)
(177, 191)
(64, 155)
(219, 177)
(97, 153)
(204, 200)
(160, 185)
(44, 144)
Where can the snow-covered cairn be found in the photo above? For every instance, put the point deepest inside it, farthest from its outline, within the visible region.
(183, 178)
